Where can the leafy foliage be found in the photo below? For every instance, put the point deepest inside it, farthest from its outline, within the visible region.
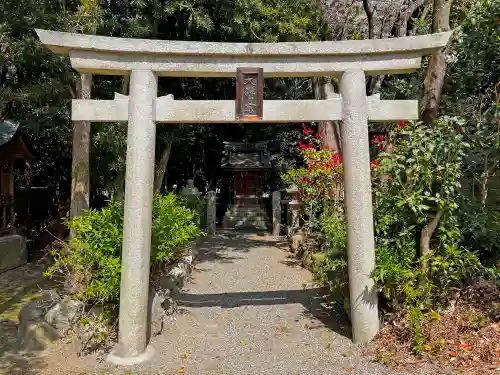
(91, 263)
(424, 187)
(330, 268)
(319, 184)
(425, 170)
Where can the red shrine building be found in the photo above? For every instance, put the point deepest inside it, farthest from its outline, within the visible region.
(245, 165)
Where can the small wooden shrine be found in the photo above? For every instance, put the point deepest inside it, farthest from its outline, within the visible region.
(245, 163)
(14, 156)
(12, 150)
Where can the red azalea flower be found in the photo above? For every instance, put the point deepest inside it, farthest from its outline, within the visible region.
(379, 147)
(377, 139)
(304, 146)
(306, 131)
(401, 124)
(336, 160)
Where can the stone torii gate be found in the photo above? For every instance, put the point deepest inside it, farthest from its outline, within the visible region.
(145, 60)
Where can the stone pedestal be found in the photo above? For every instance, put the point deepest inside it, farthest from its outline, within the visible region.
(13, 252)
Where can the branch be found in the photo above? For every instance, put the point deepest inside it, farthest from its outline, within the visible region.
(427, 232)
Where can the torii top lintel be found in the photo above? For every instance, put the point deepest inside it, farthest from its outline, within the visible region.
(118, 56)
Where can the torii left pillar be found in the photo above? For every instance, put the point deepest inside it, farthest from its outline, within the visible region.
(132, 347)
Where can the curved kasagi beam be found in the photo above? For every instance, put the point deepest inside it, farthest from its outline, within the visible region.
(118, 56)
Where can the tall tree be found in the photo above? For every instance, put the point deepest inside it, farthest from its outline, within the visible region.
(436, 71)
(87, 19)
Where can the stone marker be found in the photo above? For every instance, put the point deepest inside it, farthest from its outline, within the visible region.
(13, 252)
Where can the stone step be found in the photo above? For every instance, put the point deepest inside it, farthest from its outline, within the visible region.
(245, 207)
(245, 225)
(245, 219)
(239, 218)
(246, 213)
(229, 223)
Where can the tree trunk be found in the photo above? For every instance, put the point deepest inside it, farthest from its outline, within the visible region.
(161, 167)
(80, 168)
(120, 178)
(330, 130)
(425, 242)
(427, 232)
(436, 71)
(369, 16)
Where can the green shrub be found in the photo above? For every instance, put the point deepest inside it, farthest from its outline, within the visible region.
(481, 230)
(425, 169)
(91, 261)
(174, 225)
(330, 267)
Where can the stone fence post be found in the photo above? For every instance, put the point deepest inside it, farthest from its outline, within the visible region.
(276, 213)
(211, 212)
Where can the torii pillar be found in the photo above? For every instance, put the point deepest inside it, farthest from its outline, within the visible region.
(132, 345)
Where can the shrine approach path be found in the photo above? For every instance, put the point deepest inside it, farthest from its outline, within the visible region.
(249, 310)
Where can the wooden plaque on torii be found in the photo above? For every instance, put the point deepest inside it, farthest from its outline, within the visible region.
(249, 94)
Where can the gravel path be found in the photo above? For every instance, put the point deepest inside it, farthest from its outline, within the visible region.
(247, 311)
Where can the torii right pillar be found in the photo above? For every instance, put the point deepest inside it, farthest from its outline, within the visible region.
(358, 206)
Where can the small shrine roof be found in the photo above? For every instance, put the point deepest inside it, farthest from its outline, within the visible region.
(246, 156)
(12, 145)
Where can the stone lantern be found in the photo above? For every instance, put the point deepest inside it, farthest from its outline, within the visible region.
(189, 190)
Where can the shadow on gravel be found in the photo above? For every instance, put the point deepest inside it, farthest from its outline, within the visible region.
(328, 316)
(225, 246)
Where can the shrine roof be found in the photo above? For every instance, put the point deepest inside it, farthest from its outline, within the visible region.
(12, 145)
(246, 156)
(8, 129)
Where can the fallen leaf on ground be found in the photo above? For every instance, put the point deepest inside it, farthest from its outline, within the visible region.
(465, 345)
(243, 341)
(347, 354)
(181, 370)
(329, 346)
(186, 355)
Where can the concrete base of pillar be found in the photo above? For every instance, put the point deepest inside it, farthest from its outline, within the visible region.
(115, 359)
